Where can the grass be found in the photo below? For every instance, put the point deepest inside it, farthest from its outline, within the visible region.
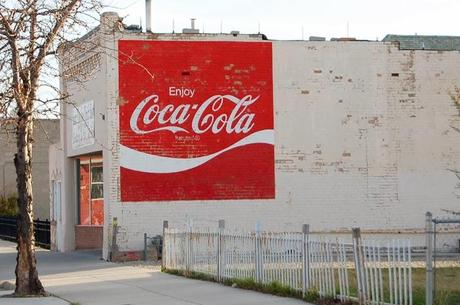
(447, 286)
(274, 288)
(447, 290)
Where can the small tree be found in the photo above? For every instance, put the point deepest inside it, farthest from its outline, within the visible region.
(30, 31)
(8, 206)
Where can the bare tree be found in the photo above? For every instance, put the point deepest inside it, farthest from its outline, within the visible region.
(30, 31)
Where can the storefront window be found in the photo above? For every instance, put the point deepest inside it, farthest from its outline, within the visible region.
(97, 183)
(91, 195)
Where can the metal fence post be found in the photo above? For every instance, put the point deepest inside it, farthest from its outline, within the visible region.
(359, 266)
(305, 259)
(258, 255)
(145, 247)
(188, 240)
(220, 250)
(429, 258)
(163, 258)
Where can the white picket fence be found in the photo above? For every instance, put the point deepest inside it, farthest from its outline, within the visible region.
(299, 260)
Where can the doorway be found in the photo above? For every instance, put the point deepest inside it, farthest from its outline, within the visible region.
(90, 193)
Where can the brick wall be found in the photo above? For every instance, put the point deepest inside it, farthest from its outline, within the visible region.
(365, 135)
(88, 237)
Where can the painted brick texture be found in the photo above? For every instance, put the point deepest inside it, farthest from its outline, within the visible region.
(201, 98)
(365, 135)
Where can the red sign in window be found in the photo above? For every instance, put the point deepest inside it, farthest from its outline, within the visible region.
(196, 120)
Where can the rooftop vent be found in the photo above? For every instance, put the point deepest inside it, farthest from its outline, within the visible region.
(133, 27)
(317, 38)
(344, 39)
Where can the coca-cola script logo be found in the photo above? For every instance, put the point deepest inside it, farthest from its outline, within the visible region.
(207, 116)
(196, 120)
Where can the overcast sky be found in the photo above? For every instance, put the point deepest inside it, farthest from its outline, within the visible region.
(284, 19)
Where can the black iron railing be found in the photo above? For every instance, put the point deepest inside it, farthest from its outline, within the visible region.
(8, 229)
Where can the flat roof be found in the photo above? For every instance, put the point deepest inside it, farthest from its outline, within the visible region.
(425, 42)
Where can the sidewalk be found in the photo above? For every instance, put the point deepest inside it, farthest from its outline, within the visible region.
(30, 301)
(83, 278)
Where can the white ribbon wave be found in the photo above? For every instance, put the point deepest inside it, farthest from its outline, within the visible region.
(147, 163)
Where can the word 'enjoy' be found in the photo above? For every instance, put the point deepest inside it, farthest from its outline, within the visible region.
(182, 92)
(206, 117)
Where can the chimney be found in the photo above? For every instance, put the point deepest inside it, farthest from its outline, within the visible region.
(148, 15)
(192, 23)
(192, 29)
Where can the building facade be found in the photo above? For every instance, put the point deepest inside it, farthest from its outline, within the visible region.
(193, 128)
(46, 132)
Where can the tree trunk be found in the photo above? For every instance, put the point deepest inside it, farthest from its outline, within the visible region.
(27, 281)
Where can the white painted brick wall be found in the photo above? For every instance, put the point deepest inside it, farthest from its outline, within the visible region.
(355, 146)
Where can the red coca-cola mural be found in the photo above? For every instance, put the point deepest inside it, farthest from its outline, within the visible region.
(196, 120)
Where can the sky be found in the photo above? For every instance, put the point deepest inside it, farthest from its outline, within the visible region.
(289, 19)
